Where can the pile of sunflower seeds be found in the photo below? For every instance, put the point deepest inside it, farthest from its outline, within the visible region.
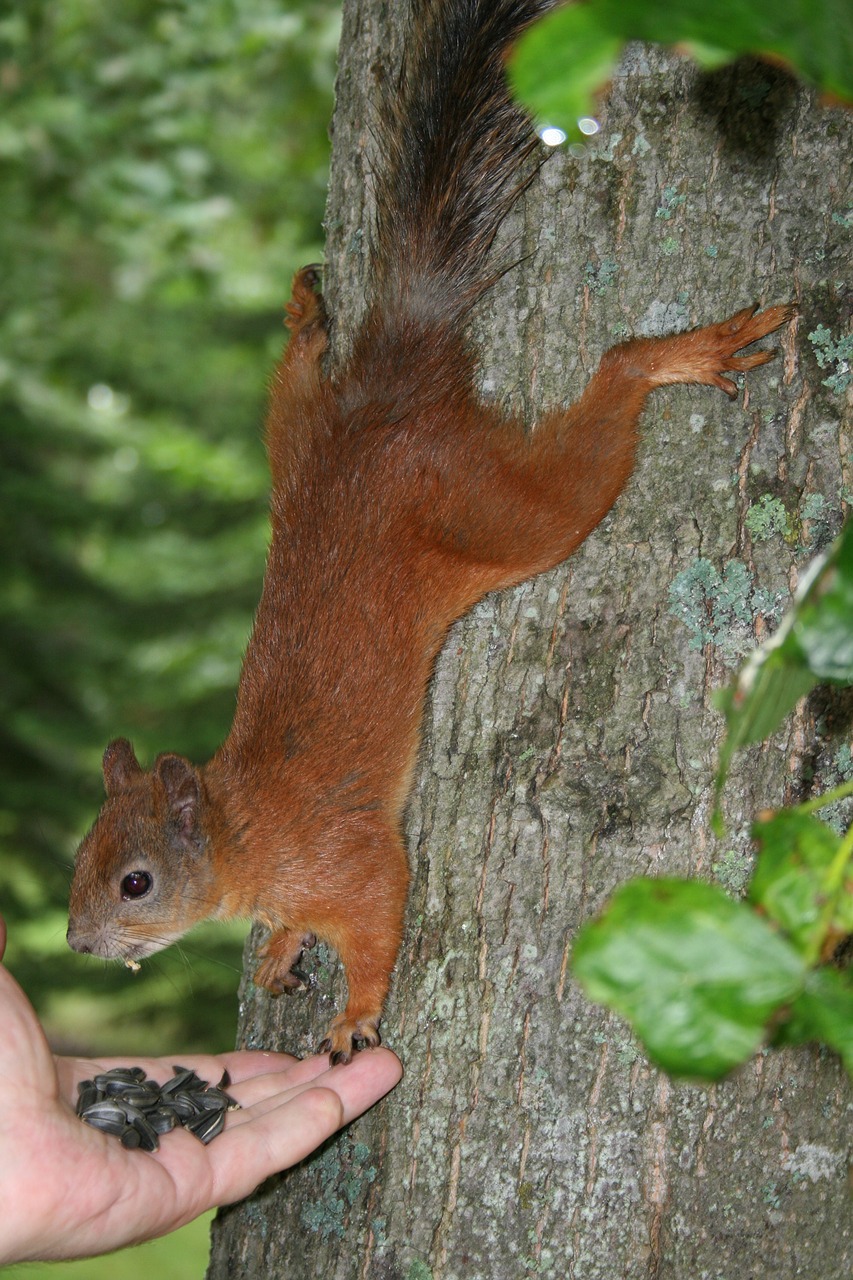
(125, 1102)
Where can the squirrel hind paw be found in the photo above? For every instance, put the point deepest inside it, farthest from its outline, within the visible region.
(750, 324)
(305, 310)
(347, 1036)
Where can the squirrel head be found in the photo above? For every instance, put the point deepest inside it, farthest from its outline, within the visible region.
(143, 874)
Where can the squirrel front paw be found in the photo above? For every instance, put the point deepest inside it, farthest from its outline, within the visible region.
(278, 957)
(347, 1035)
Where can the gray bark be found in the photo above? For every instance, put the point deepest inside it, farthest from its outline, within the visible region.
(571, 739)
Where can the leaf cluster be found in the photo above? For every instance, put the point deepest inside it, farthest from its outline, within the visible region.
(705, 979)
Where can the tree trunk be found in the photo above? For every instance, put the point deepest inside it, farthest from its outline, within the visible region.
(571, 737)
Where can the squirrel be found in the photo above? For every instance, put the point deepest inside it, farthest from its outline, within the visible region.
(399, 499)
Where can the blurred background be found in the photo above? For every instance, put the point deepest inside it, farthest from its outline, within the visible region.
(162, 174)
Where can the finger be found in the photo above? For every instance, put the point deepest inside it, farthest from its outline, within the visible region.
(359, 1084)
(240, 1064)
(300, 1075)
(25, 1055)
(246, 1064)
(2, 937)
(243, 1156)
(277, 1137)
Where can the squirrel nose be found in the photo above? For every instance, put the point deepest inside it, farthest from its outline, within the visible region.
(76, 943)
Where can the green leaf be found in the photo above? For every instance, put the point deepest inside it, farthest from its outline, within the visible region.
(823, 623)
(794, 877)
(813, 643)
(823, 1011)
(697, 974)
(768, 687)
(561, 63)
(566, 58)
(815, 37)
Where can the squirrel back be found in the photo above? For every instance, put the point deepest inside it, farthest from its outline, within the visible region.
(398, 500)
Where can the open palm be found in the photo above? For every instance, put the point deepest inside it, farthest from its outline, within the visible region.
(67, 1190)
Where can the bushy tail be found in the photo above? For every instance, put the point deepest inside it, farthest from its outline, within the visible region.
(454, 150)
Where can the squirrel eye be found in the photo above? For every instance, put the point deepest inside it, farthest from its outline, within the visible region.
(136, 884)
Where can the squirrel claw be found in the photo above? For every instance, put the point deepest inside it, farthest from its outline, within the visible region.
(348, 1036)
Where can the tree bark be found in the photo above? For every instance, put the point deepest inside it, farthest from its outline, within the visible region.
(571, 739)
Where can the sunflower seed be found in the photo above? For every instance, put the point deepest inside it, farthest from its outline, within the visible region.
(211, 1099)
(107, 1108)
(88, 1094)
(182, 1079)
(130, 1075)
(106, 1118)
(163, 1120)
(148, 1139)
(183, 1105)
(207, 1125)
(141, 1095)
(124, 1102)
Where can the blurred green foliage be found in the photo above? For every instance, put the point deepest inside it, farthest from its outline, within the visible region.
(162, 174)
(179, 1256)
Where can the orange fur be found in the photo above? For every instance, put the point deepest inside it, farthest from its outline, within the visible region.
(398, 500)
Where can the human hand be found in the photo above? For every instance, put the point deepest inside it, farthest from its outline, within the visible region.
(67, 1190)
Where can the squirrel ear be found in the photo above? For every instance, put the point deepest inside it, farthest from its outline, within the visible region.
(120, 766)
(183, 791)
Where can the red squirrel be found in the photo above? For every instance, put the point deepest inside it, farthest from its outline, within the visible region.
(398, 500)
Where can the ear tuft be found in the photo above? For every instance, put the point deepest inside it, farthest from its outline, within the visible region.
(182, 786)
(120, 766)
